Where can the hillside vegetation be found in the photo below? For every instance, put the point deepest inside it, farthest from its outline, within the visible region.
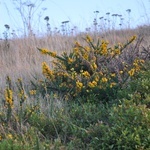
(83, 91)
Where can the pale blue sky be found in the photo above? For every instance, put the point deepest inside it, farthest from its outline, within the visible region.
(79, 12)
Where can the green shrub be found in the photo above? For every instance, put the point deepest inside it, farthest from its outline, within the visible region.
(95, 69)
(128, 128)
(138, 88)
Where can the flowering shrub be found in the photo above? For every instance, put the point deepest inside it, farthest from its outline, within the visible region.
(95, 69)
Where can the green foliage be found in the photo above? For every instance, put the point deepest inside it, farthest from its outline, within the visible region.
(128, 128)
(95, 69)
(138, 88)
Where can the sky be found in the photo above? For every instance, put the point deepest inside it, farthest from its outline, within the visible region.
(80, 13)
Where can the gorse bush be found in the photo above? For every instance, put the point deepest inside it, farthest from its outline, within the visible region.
(95, 69)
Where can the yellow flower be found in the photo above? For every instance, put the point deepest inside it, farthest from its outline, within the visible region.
(94, 66)
(87, 48)
(96, 78)
(86, 56)
(113, 75)
(121, 72)
(117, 51)
(92, 84)
(79, 85)
(32, 92)
(9, 97)
(0, 137)
(86, 74)
(44, 51)
(46, 70)
(104, 79)
(112, 84)
(9, 136)
(70, 60)
(142, 61)
(103, 47)
(53, 54)
(131, 72)
(112, 54)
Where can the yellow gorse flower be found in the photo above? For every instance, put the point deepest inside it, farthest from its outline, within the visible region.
(9, 136)
(46, 51)
(113, 75)
(86, 56)
(117, 51)
(92, 84)
(131, 72)
(87, 48)
(86, 74)
(79, 85)
(70, 60)
(121, 72)
(112, 84)
(104, 50)
(104, 79)
(94, 66)
(9, 97)
(32, 92)
(46, 70)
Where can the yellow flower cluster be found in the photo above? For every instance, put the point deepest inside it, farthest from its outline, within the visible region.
(112, 84)
(137, 64)
(103, 47)
(92, 84)
(9, 136)
(86, 56)
(32, 92)
(131, 72)
(86, 74)
(79, 85)
(46, 70)
(104, 79)
(94, 66)
(46, 51)
(53, 54)
(117, 51)
(87, 48)
(113, 74)
(70, 60)
(9, 97)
